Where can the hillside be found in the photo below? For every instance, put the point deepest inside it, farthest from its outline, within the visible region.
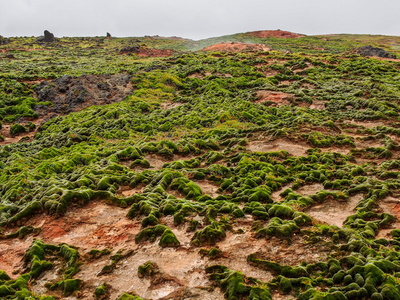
(252, 166)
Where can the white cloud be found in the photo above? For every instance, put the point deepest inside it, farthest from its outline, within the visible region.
(195, 19)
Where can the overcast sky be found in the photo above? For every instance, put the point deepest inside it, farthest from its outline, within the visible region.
(196, 19)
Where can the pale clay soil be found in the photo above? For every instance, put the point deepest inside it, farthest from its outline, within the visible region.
(100, 226)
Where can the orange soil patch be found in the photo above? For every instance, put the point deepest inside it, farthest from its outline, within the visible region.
(277, 98)
(236, 47)
(274, 33)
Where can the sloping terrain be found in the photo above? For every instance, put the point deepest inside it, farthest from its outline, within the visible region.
(236, 47)
(215, 174)
(274, 33)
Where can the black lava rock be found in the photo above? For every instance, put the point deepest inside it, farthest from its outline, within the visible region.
(372, 51)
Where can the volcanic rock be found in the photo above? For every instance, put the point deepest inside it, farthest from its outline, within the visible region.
(47, 38)
(130, 49)
(372, 51)
(3, 40)
(69, 94)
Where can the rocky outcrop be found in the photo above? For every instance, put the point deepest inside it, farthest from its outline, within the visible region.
(3, 40)
(130, 49)
(68, 94)
(373, 51)
(48, 37)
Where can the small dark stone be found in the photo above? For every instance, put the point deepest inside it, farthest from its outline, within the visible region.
(108, 35)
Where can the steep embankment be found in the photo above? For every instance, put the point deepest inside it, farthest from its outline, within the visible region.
(209, 175)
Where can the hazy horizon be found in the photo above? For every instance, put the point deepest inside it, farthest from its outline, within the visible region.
(196, 20)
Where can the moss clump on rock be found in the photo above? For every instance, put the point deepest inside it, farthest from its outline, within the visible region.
(168, 239)
(148, 269)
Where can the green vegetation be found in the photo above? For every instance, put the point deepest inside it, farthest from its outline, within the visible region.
(204, 114)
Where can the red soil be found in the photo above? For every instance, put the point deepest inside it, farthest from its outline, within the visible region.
(236, 47)
(275, 33)
(278, 98)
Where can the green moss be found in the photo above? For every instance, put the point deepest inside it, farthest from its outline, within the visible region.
(6, 291)
(277, 227)
(125, 296)
(168, 239)
(235, 285)
(70, 286)
(95, 254)
(150, 233)
(23, 232)
(4, 276)
(150, 220)
(16, 129)
(213, 253)
(285, 285)
(102, 290)
(210, 234)
(148, 269)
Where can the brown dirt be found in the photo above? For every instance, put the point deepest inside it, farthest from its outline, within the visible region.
(310, 189)
(208, 188)
(156, 161)
(269, 72)
(276, 195)
(367, 124)
(390, 205)
(100, 226)
(127, 191)
(236, 47)
(295, 149)
(334, 212)
(294, 252)
(277, 98)
(170, 105)
(96, 225)
(274, 33)
(28, 136)
(320, 105)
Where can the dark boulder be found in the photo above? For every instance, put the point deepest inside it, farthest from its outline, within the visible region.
(4, 41)
(130, 49)
(372, 51)
(48, 37)
(108, 35)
